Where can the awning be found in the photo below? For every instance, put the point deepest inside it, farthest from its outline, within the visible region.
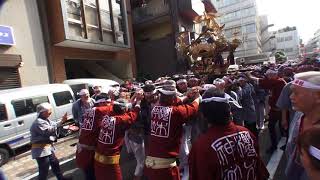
(10, 60)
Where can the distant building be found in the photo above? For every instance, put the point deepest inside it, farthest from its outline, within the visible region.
(241, 16)
(288, 41)
(312, 48)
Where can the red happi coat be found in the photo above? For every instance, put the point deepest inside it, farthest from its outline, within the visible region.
(89, 134)
(275, 86)
(110, 140)
(165, 136)
(226, 152)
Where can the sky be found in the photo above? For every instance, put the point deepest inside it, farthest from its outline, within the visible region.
(304, 14)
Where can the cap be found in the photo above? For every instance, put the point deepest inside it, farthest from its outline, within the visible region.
(168, 90)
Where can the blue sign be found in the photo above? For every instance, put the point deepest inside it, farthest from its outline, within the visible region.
(6, 36)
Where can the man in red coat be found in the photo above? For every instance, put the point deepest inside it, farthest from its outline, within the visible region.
(167, 120)
(111, 138)
(89, 132)
(226, 151)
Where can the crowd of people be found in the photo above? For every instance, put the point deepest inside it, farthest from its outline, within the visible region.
(188, 127)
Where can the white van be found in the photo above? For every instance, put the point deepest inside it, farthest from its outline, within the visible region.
(18, 111)
(88, 83)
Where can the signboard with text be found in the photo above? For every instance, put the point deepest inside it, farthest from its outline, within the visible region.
(6, 35)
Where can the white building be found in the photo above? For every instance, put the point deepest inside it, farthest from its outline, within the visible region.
(241, 16)
(287, 40)
(313, 45)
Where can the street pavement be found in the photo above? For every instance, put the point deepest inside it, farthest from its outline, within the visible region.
(23, 167)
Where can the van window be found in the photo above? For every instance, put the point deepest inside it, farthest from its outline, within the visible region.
(27, 106)
(3, 113)
(62, 98)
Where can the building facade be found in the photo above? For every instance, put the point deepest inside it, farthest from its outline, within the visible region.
(23, 63)
(312, 48)
(241, 20)
(288, 41)
(89, 39)
(156, 24)
(65, 39)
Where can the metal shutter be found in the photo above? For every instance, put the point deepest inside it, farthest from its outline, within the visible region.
(9, 78)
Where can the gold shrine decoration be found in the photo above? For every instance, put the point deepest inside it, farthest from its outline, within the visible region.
(210, 44)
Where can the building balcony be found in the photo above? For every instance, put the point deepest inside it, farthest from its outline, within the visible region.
(89, 24)
(152, 10)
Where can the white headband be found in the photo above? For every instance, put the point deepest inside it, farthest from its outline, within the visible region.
(218, 81)
(101, 100)
(169, 93)
(305, 84)
(315, 152)
(151, 92)
(226, 99)
(208, 86)
(127, 105)
(181, 81)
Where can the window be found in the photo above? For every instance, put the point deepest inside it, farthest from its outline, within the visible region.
(62, 98)
(238, 14)
(221, 3)
(280, 39)
(27, 106)
(105, 20)
(251, 28)
(3, 113)
(288, 38)
(288, 50)
(119, 23)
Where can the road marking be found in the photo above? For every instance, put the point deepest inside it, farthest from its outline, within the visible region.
(61, 163)
(276, 158)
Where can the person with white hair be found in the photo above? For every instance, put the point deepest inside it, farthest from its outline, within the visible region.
(43, 134)
(305, 98)
(80, 107)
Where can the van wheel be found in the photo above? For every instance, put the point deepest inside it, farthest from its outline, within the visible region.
(4, 156)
